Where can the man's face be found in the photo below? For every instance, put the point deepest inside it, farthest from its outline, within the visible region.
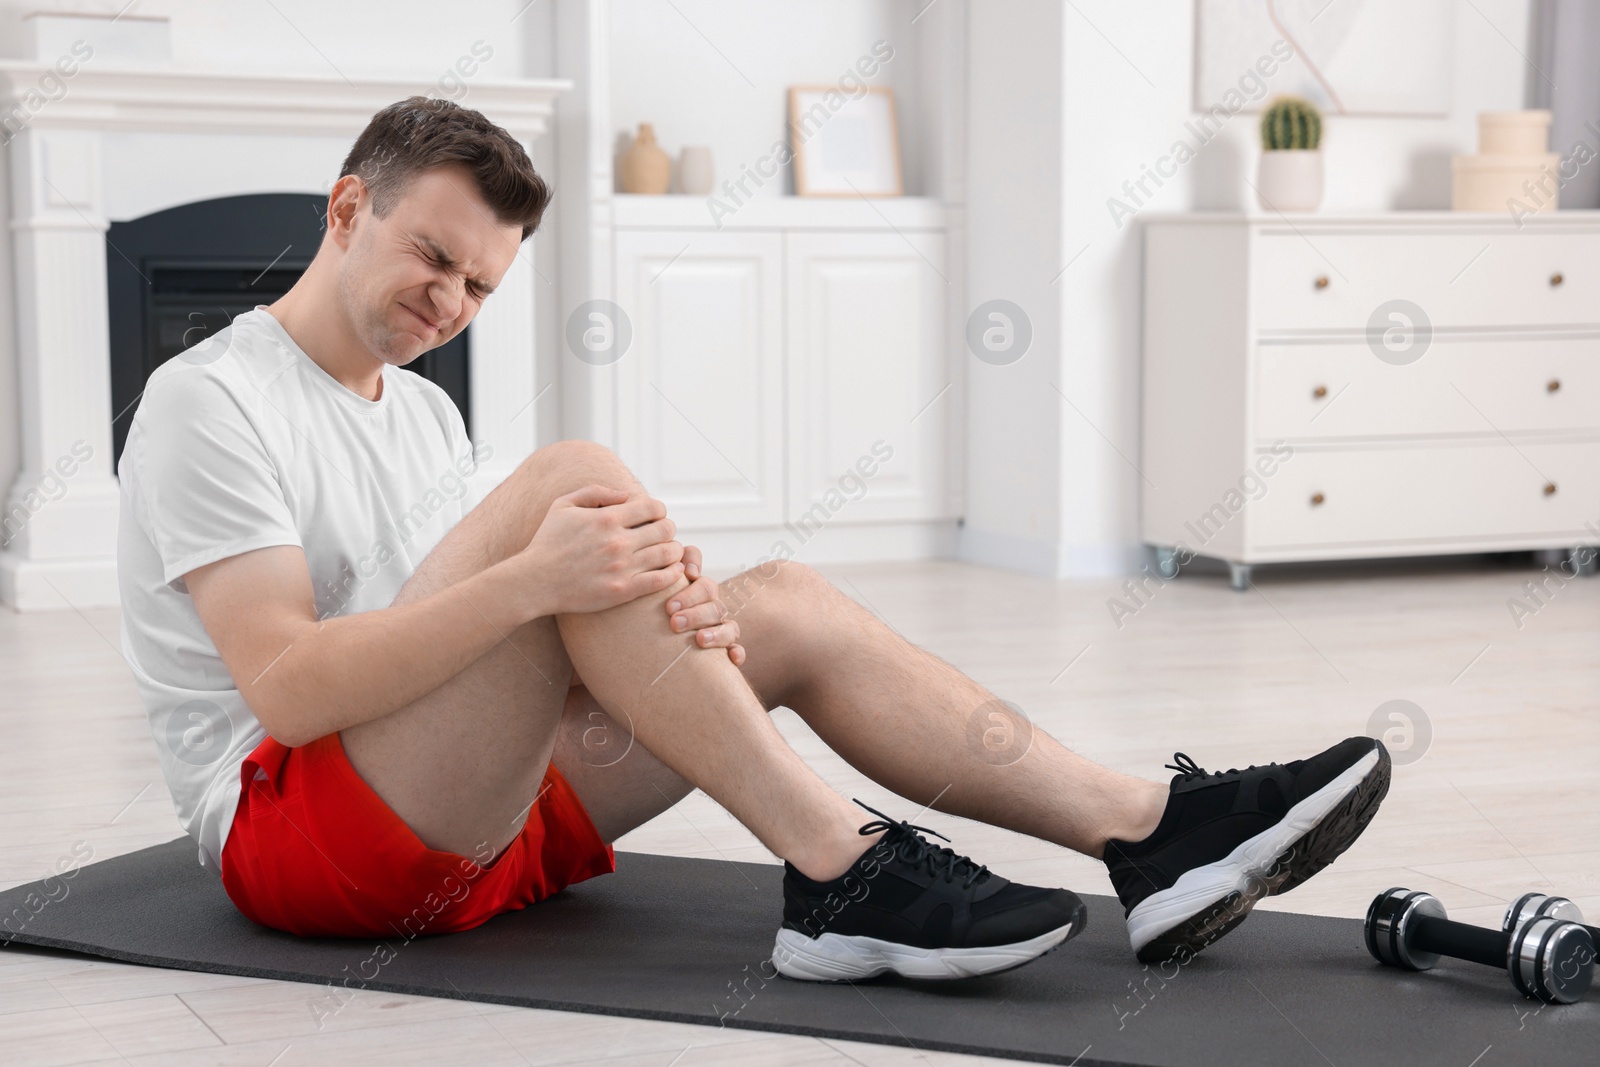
(412, 281)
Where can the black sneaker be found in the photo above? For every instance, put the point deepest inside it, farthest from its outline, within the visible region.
(916, 909)
(1229, 838)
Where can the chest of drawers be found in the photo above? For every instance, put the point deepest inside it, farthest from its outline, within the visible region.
(1337, 387)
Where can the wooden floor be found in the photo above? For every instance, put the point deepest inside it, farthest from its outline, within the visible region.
(1505, 796)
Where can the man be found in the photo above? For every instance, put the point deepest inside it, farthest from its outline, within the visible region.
(372, 692)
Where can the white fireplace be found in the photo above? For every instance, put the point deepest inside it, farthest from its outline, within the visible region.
(118, 144)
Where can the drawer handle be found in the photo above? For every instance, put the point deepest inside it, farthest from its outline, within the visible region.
(1322, 282)
(1549, 488)
(1320, 391)
(1317, 498)
(1554, 386)
(1556, 279)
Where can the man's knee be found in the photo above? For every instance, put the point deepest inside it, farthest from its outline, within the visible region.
(774, 578)
(791, 574)
(573, 453)
(573, 464)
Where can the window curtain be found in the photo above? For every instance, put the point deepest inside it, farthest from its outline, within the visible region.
(1564, 76)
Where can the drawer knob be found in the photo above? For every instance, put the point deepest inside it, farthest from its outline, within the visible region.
(1317, 498)
(1320, 391)
(1553, 386)
(1322, 282)
(1549, 488)
(1556, 279)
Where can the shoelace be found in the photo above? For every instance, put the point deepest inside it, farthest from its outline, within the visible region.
(1190, 769)
(935, 859)
(1184, 765)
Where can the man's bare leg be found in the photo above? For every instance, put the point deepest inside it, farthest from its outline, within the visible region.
(902, 716)
(899, 714)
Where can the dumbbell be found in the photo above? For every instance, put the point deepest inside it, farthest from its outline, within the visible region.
(1547, 958)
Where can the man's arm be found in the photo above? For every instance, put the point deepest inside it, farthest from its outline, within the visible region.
(305, 678)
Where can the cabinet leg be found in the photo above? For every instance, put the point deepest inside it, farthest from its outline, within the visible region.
(1239, 576)
(1166, 562)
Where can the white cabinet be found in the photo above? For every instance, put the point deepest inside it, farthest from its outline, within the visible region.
(700, 395)
(1328, 387)
(865, 315)
(789, 374)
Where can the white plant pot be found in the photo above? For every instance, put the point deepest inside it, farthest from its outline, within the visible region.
(1290, 179)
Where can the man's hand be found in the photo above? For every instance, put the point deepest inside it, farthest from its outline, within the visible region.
(700, 608)
(599, 547)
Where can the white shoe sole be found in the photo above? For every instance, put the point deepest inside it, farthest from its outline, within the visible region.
(1256, 865)
(838, 958)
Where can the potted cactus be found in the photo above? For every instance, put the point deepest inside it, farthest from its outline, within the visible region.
(1290, 177)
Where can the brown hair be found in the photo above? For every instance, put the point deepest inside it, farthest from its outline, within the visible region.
(421, 133)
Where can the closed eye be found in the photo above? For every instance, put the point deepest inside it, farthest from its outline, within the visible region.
(433, 254)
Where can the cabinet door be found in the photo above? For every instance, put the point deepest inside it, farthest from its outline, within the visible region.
(870, 388)
(700, 393)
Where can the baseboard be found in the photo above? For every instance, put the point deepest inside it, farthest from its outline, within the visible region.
(1049, 558)
(58, 584)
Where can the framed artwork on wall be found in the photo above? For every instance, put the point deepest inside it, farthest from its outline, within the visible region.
(844, 144)
(1353, 57)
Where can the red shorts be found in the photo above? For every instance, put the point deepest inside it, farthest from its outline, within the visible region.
(314, 851)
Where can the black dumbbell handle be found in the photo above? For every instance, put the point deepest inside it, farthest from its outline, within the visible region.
(1460, 941)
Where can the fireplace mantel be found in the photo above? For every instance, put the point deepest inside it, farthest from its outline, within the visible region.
(119, 144)
(193, 101)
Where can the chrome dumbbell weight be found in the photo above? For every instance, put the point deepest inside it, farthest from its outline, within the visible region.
(1531, 906)
(1547, 958)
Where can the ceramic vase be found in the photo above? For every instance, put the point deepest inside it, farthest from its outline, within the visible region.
(644, 167)
(696, 173)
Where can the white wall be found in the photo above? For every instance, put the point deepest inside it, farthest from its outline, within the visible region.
(1126, 82)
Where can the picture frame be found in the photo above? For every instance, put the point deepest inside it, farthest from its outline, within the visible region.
(1361, 57)
(844, 144)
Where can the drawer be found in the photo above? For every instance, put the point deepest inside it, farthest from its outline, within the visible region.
(1448, 495)
(1313, 391)
(1340, 280)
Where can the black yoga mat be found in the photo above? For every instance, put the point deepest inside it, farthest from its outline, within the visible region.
(689, 940)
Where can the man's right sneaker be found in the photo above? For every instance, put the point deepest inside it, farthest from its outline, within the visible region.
(918, 910)
(1228, 838)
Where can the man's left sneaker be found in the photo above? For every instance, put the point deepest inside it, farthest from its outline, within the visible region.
(918, 910)
(1229, 838)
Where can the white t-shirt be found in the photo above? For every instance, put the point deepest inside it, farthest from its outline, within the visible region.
(243, 442)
